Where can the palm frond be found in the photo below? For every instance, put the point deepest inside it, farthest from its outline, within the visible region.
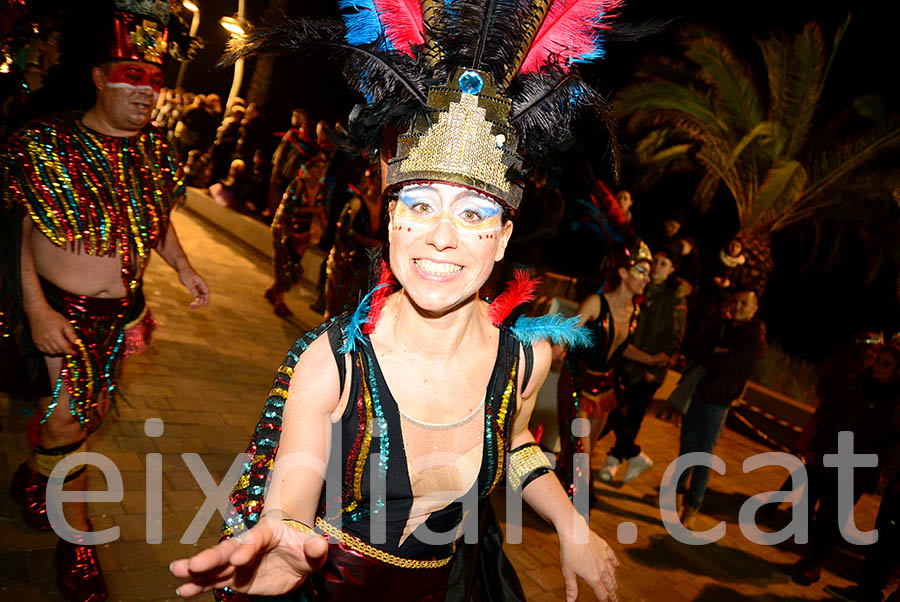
(706, 190)
(736, 97)
(796, 79)
(781, 187)
(660, 96)
(833, 164)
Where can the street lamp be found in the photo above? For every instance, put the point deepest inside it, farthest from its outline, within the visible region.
(195, 23)
(232, 25)
(235, 26)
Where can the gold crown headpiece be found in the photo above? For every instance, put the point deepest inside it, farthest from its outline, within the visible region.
(465, 139)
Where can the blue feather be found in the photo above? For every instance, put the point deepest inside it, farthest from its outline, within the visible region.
(353, 332)
(601, 223)
(598, 52)
(361, 20)
(554, 328)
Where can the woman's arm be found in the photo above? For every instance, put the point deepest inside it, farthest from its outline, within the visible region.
(636, 355)
(274, 557)
(589, 309)
(582, 553)
(313, 399)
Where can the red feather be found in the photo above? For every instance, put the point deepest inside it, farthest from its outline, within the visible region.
(570, 32)
(607, 202)
(519, 291)
(386, 278)
(403, 24)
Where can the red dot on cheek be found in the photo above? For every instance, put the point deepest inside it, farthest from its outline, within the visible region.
(409, 229)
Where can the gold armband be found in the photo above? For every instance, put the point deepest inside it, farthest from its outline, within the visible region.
(47, 459)
(526, 463)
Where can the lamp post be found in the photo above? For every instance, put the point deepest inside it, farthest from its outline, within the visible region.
(235, 25)
(195, 23)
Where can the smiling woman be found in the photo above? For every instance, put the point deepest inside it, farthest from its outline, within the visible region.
(388, 427)
(444, 241)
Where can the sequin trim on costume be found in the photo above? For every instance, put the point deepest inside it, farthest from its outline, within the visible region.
(98, 194)
(358, 545)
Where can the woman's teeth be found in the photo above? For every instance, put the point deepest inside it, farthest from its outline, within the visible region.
(437, 269)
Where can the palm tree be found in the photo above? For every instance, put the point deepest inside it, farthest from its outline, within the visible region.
(782, 163)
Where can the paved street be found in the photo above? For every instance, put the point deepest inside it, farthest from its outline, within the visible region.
(206, 376)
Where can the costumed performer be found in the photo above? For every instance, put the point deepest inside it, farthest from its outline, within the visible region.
(360, 231)
(383, 423)
(587, 385)
(299, 221)
(86, 197)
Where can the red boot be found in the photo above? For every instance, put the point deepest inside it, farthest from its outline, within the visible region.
(78, 573)
(29, 488)
(282, 310)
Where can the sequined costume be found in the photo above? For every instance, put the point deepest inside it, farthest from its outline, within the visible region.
(348, 259)
(371, 435)
(291, 232)
(587, 385)
(419, 568)
(95, 194)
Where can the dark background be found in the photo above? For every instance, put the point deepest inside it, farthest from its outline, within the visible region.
(809, 310)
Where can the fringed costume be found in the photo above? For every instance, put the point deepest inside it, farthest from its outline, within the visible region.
(291, 232)
(94, 194)
(587, 388)
(348, 261)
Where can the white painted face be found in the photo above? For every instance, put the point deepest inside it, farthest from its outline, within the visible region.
(128, 92)
(444, 240)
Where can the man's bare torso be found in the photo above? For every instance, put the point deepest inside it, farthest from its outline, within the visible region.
(77, 272)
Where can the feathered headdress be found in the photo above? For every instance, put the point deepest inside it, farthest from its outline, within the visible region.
(469, 86)
(148, 30)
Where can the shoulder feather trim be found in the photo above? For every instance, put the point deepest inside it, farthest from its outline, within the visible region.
(554, 328)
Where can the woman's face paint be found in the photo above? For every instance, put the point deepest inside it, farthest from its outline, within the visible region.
(471, 215)
(444, 240)
(136, 78)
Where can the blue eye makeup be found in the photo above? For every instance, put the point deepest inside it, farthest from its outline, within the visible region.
(411, 199)
(467, 213)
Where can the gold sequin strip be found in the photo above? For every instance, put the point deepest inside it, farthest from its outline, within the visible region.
(358, 545)
(501, 421)
(367, 439)
(523, 462)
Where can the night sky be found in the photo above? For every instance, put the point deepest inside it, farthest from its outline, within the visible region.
(809, 313)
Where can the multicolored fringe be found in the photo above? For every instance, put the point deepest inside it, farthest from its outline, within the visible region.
(84, 190)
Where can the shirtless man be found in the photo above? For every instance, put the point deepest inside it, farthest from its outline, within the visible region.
(87, 197)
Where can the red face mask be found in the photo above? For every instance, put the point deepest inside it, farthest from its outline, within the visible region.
(136, 76)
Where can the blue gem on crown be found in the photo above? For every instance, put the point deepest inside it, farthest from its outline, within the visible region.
(471, 82)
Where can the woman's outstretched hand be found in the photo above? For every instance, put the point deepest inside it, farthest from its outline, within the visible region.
(271, 558)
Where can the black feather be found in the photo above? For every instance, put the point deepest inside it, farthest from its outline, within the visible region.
(373, 73)
(482, 34)
(632, 32)
(546, 107)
